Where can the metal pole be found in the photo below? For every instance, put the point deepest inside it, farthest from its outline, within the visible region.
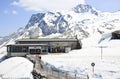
(75, 76)
(87, 77)
(93, 69)
(101, 52)
(93, 64)
(66, 75)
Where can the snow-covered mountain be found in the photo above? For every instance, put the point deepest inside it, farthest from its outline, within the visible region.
(82, 8)
(82, 20)
(63, 22)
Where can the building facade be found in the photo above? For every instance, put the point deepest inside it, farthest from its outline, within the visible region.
(116, 34)
(24, 47)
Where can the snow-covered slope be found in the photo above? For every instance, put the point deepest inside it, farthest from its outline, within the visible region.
(16, 68)
(107, 62)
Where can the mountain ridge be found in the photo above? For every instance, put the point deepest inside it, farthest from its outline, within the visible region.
(83, 20)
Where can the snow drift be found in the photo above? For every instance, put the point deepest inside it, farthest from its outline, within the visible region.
(16, 68)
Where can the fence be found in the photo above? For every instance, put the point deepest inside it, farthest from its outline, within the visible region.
(53, 73)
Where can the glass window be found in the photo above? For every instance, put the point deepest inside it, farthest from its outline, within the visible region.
(32, 51)
(38, 51)
(8, 49)
(25, 49)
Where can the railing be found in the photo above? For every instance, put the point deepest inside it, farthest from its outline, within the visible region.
(49, 72)
(52, 73)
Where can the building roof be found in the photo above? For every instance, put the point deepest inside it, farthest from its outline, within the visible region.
(27, 45)
(48, 40)
(117, 32)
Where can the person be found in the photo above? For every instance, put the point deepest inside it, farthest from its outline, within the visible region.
(39, 56)
(87, 77)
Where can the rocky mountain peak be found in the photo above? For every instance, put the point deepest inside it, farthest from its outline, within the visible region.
(83, 8)
(35, 18)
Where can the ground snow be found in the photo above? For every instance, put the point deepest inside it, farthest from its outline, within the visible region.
(79, 61)
(107, 63)
(16, 67)
(3, 53)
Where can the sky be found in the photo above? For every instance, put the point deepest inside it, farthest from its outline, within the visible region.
(15, 14)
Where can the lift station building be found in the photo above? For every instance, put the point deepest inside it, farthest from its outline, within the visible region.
(24, 47)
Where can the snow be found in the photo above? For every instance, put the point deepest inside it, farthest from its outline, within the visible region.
(80, 61)
(88, 27)
(16, 67)
(3, 54)
(107, 63)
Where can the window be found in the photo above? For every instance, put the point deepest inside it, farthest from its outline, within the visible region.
(8, 49)
(38, 51)
(25, 49)
(32, 51)
(35, 51)
(18, 49)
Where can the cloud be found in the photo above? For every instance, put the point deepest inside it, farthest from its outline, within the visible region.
(50, 5)
(10, 12)
(5, 12)
(14, 12)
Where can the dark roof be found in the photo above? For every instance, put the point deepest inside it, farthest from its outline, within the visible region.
(48, 40)
(27, 45)
(117, 32)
